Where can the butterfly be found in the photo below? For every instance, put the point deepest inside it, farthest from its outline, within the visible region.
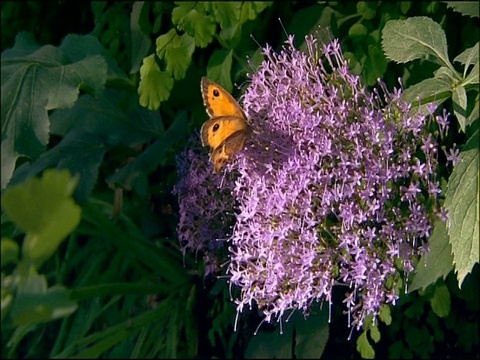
(227, 130)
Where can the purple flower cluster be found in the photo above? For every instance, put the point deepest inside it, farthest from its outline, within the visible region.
(335, 186)
(205, 205)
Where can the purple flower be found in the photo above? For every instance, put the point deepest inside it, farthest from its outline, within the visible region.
(330, 188)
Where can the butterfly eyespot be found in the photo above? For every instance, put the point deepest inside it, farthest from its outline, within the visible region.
(216, 93)
(215, 127)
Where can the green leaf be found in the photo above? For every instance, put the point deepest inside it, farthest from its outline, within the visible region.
(308, 21)
(311, 334)
(34, 84)
(9, 252)
(269, 345)
(459, 99)
(364, 348)
(473, 76)
(438, 262)
(375, 334)
(468, 8)
(429, 90)
(191, 322)
(187, 16)
(307, 335)
(385, 314)
(44, 209)
(155, 85)
(177, 52)
(35, 303)
(140, 41)
(357, 32)
(474, 114)
(79, 47)
(376, 64)
(414, 38)
(154, 155)
(80, 151)
(115, 118)
(251, 9)
(219, 67)
(461, 201)
(367, 9)
(468, 57)
(440, 301)
(227, 14)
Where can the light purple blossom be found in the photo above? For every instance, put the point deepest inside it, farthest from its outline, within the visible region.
(330, 188)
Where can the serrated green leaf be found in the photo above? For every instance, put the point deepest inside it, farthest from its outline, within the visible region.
(440, 301)
(202, 27)
(219, 67)
(163, 41)
(178, 55)
(33, 84)
(461, 201)
(459, 99)
(155, 85)
(227, 14)
(468, 8)
(438, 262)
(44, 209)
(468, 57)
(251, 9)
(364, 348)
(9, 251)
(473, 76)
(79, 47)
(414, 38)
(474, 114)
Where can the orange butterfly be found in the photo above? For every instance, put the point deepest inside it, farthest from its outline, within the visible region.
(227, 129)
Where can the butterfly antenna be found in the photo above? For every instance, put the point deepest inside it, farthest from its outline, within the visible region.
(256, 42)
(283, 27)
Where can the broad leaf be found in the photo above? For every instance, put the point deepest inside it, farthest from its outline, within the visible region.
(190, 18)
(34, 83)
(154, 155)
(79, 151)
(303, 337)
(35, 303)
(219, 68)
(440, 301)
(414, 38)
(468, 57)
(459, 98)
(468, 8)
(462, 201)
(438, 262)
(140, 40)
(176, 51)
(44, 209)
